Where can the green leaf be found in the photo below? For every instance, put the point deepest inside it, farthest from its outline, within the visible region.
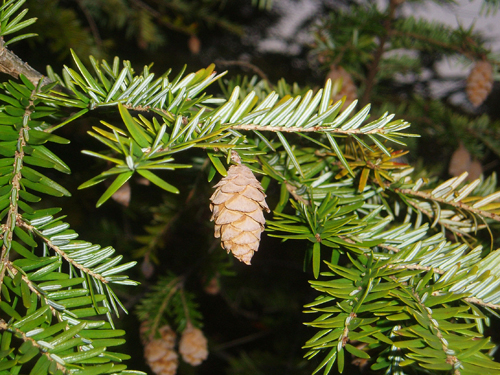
(69, 119)
(25, 237)
(137, 133)
(19, 26)
(41, 366)
(316, 259)
(38, 162)
(66, 335)
(340, 360)
(80, 356)
(86, 75)
(356, 352)
(21, 250)
(41, 151)
(289, 152)
(9, 310)
(117, 183)
(26, 294)
(20, 37)
(158, 181)
(41, 188)
(217, 163)
(339, 153)
(96, 370)
(45, 270)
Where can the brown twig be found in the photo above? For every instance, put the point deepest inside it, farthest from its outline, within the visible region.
(93, 26)
(450, 359)
(298, 129)
(247, 65)
(42, 349)
(461, 205)
(480, 302)
(31, 285)
(63, 254)
(174, 285)
(293, 191)
(12, 65)
(377, 56)
(438, 43)
(160, 18)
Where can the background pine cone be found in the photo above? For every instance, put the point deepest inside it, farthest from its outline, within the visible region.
(343, 85)
(160, 354)
(193, 346)
(479, 82)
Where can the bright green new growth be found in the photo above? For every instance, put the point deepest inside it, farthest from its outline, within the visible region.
(407, 296)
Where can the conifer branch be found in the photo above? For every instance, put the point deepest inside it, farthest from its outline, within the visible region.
(460, 205)
(450, 359)
(12, 65)
(64, 254)
(172, 286)
(438, 43)
(478, 301)
(32, 287)
(246, 65)
(15, 188)
(431, 216)
(42, 349)
(312, 129)
(74, 263)
(377, 56)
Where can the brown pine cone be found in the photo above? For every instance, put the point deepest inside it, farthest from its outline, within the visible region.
(339, 76)
(460, 161)
(161, 357)
(236, 207)
(479, 82)
(193, 346)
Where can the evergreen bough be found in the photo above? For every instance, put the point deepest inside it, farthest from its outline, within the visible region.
(394, 287)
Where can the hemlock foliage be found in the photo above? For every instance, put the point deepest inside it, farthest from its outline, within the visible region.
(402, 282)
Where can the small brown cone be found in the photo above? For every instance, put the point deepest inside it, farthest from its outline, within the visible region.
(160, 354)
(475, 170)
(122, 195)
(193, 346)
(479, 82)
(343, 85)
(236, 207)
(213, 286)
(460, 161)
(194, 44)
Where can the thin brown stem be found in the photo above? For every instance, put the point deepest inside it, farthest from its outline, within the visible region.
(12, 65)
(377, 56)
(185, 308)
(31, 286)
(173, 285)
(450, 359)
(42, 349)
(63, 254)
(12, 214)
(93, 26)
(293, 191)
(246, 65)
(460, 205)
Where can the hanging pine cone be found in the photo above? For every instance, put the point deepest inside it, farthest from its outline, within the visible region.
(339, 76)
(160, 354)
(193, 346)
(479, 82)
(237, 206)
